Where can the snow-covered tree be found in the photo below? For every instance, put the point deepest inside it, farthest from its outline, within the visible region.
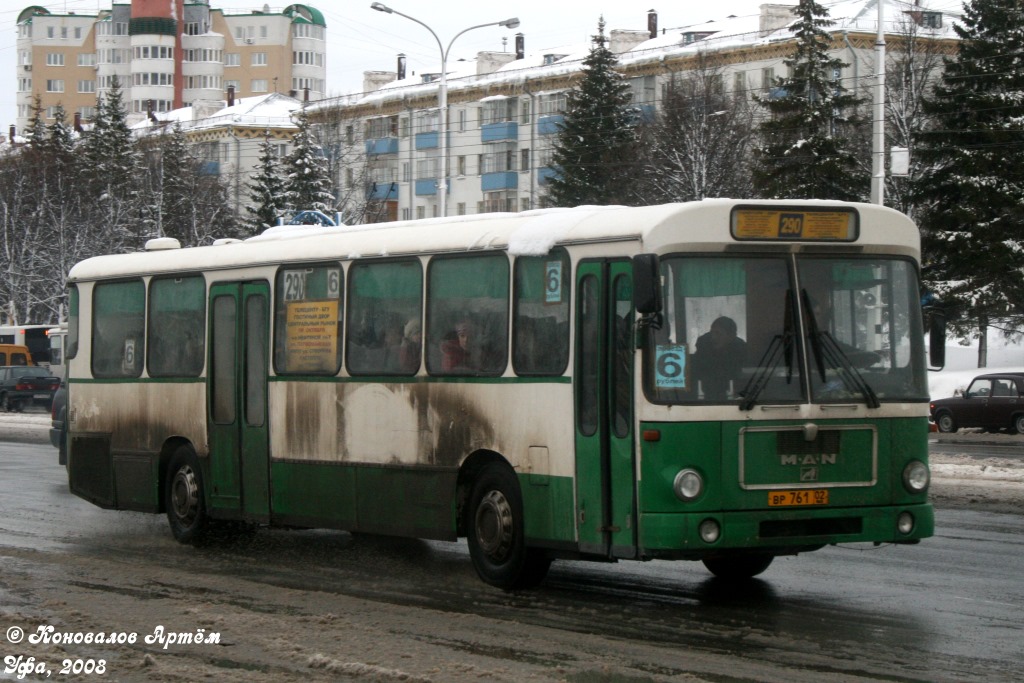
(113, 163)
(971, 190)
(696, 145)
(308, 182)
(595, 151)
(267, 188)
(805, 149)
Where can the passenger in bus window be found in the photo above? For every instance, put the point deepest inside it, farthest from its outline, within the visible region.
(456, 350)
(718, 359)
(409, 353)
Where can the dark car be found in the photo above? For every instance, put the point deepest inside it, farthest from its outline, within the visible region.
(992, 402)
(24, 385)
(59, 422)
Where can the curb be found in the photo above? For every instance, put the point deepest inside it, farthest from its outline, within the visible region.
(987, 472)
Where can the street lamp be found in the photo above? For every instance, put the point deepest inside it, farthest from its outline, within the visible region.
(442, 96)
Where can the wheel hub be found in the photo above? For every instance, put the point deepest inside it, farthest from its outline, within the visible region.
(185, 495)
(494, 525)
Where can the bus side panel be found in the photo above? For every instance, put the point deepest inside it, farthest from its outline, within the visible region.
(117, 431)
(548, 503)
(313, 494)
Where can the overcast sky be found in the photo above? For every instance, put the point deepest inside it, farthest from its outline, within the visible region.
(360, 39)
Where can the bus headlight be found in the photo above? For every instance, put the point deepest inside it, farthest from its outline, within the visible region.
(905, 523)
(688, 485)
(916, 476)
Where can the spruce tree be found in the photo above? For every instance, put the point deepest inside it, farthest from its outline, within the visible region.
(805, 151)
(595, 151)
(308, 183)
(266, 189)
(971, 191)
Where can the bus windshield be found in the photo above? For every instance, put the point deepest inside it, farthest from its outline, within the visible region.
(771, 329)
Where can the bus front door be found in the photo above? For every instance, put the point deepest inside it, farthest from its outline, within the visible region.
(605, 464)
(237, 399)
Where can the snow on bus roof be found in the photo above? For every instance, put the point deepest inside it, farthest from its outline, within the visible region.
(531, 233)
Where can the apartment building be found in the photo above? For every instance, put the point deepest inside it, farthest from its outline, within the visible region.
(504, 109)
(163, 63)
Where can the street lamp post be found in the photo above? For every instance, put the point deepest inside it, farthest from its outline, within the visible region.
(442, 95)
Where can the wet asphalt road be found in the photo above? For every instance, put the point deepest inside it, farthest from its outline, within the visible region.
(948, 609)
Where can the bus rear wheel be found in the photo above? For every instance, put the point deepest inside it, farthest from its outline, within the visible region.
(497, 541)
(738, 566)
(186, 507)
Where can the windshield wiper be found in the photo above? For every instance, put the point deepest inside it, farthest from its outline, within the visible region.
(780, 347)
(827, 349)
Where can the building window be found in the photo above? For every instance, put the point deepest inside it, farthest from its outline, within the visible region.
(767, 78)
(55, 85)
(460, 208)
(259, 58)
(86, 86)
(551, 104)
(50, 32)
(381, 127)
(54, 59)
(87, 59)
(78, 33)
(24, 85)
(87, 113)
(524, 159)
(421, 212)
(259, 85)
(524, 111)
(498, 111)
(461, 165)
(406, 214)
(237, 85)
(263, 31)
(406, 172)
(462, 120)
(232, 59)
(64, 32)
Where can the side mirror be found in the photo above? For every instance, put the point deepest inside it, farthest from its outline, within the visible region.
(936, 338)
(646, 284)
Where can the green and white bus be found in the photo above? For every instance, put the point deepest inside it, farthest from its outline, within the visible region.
(721, 381)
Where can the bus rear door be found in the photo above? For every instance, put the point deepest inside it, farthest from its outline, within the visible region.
(605, 464)
(237, 398)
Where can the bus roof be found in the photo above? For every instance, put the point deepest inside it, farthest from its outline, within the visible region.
(660, 229)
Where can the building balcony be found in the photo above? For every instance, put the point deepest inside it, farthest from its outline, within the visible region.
(382, 146)
(427, 140)
(549, 125)
(426, 187)
(545, 174)
(502, 180)
(498, 132)
(383, 191)
(209, 168)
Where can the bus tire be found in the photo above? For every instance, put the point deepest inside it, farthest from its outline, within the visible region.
(495, 531)
(5, 403)
(734, 567)
(186, 506)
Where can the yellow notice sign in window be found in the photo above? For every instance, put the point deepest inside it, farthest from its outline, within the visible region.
(818, 225)
(312, 336)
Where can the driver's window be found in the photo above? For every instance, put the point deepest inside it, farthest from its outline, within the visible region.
(979, 389)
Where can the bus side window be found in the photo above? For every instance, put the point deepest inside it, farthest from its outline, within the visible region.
(118, 329)
(540, 343)
(467, 315)
(177, 326)
(385, 310)
(308, 313)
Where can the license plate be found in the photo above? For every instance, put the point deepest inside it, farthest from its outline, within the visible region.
(796, 498)
(41, 396)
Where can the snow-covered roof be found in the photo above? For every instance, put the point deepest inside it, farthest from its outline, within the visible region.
(722, 34)
(274, 110)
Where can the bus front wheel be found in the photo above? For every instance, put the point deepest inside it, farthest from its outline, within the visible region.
(738, 566)
(186, 508)
(497, 541)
